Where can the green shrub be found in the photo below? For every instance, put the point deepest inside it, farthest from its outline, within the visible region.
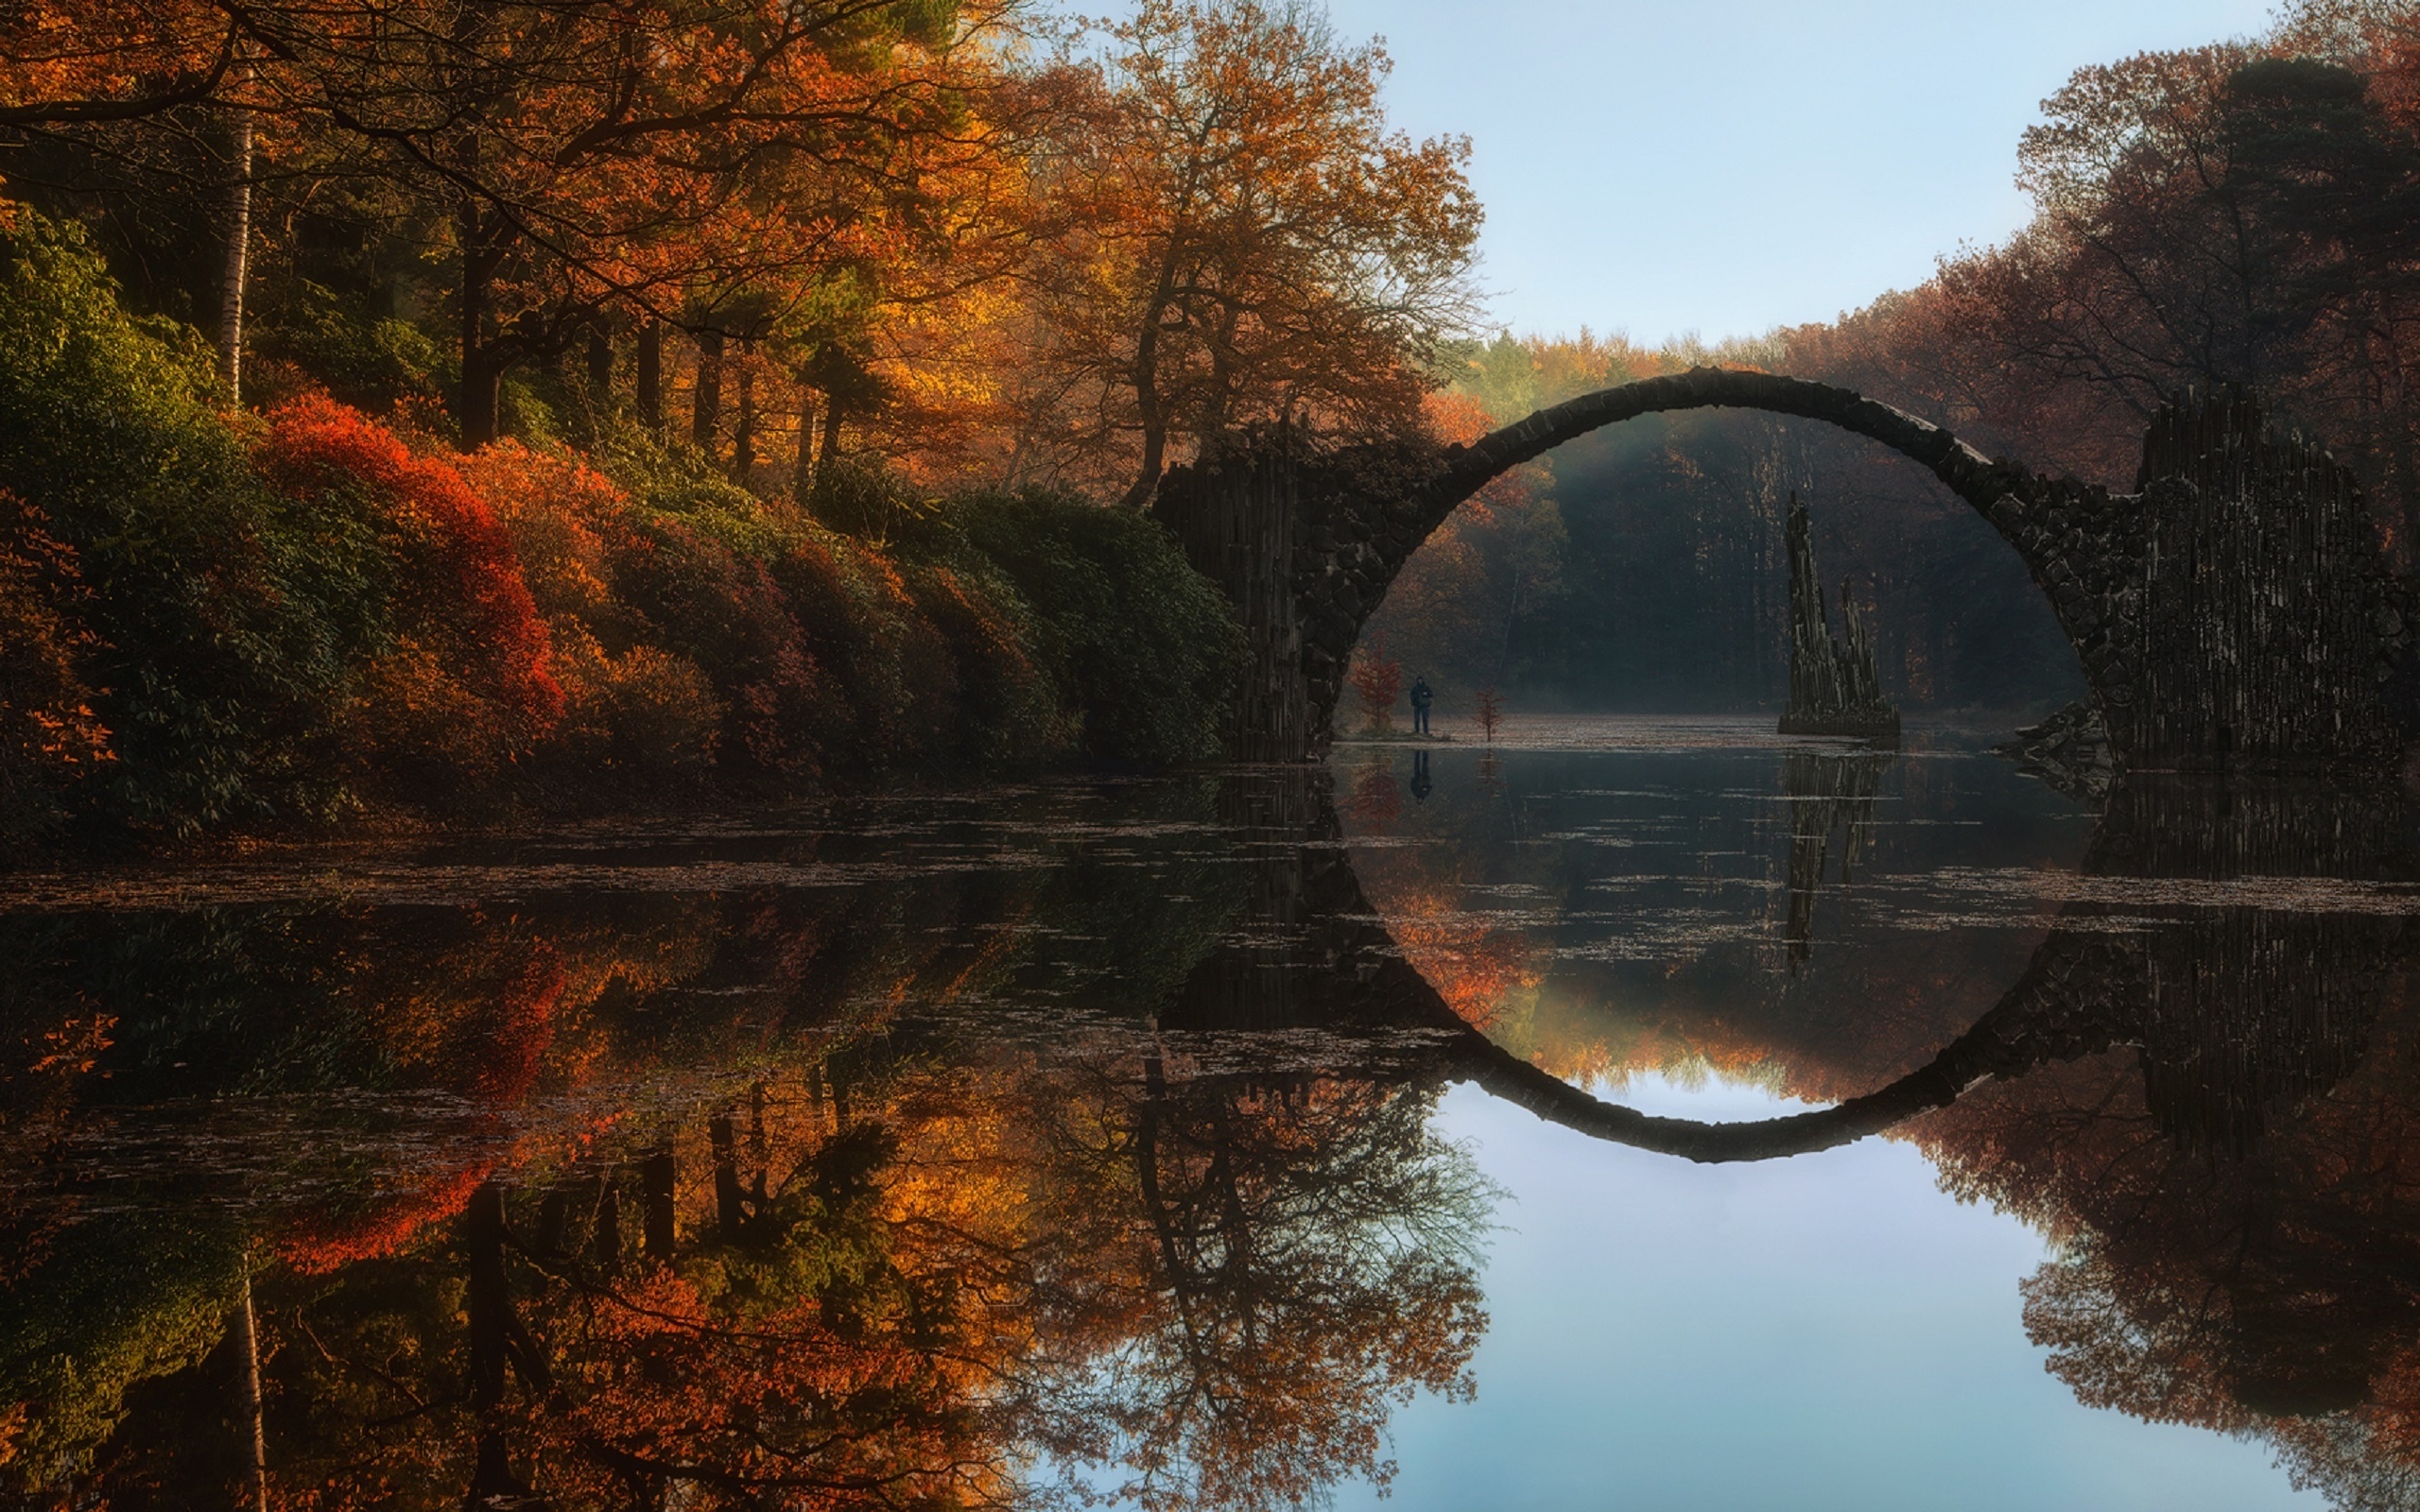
(1145, 648)
(1010, 712)
(893, 667)
(361, 359)
(227, 617)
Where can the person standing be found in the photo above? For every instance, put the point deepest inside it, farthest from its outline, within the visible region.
(1422, 696)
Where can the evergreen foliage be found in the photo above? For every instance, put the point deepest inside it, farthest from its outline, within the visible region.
(1145, 646)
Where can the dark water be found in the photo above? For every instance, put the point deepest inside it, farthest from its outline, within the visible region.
(1643, 1114)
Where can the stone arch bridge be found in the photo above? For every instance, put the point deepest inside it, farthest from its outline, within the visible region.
(2235, 609)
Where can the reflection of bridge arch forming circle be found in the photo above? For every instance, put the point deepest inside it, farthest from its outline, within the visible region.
(2237, 610)
(2185, 942)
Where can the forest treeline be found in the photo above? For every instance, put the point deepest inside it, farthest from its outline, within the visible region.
(2246, 212)
(469, 408)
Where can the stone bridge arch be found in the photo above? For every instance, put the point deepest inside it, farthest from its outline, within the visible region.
(2235, 609)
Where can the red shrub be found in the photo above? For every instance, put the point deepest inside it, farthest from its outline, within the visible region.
(49, 737)
(462, 589)
(556, 511)
(723, 612)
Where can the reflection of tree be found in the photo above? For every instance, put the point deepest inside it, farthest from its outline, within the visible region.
(1308, 1251)
(786, 1354)
(2202, 1087)
(1215, 1290)
(798, 1263)
(1375, 799)
(417, 1049)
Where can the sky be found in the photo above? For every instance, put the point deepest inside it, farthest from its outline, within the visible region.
(1719, 167)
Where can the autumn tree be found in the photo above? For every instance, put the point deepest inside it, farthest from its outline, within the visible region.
(1244, 236)
(2240, 213)
(1377, 682)
(1497, 559)
(576, 160)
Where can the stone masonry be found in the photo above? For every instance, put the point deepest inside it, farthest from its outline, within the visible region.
(2235, 611)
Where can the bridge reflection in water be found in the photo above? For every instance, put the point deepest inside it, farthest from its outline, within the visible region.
(913, 1166)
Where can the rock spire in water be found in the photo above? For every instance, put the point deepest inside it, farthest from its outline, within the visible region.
(1835, 689)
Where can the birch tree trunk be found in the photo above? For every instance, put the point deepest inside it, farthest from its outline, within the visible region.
(239, 238)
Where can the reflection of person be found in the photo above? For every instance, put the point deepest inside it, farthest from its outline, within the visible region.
(1421, 698)
(1421, 785)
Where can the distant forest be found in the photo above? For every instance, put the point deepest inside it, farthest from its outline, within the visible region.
(1641, 568)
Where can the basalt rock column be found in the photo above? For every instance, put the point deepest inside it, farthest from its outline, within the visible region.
(2267, 626)
(1234, 513)
(1835, 689)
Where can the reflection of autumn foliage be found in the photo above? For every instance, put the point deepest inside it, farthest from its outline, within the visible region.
(1482, 962)
(479, 1024)
(319, 1244)
(1476, 964)
(893, 1290)
(655, 1211)
(796, 1352)
(1376, 799)
(1487, 913)
(1263, 1272)
(2253, 1290)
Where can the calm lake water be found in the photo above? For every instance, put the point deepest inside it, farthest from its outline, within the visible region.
(1642, 1114)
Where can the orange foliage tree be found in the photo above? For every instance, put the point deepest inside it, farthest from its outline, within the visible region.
(1454, 607)
(1245, 237)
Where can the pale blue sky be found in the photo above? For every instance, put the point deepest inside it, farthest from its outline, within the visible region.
(1722, 166)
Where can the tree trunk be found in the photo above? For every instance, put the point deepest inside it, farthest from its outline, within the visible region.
(606, 1241)
(802, 467)
(743, 448)
(730, 1208)
(240, 239)
(487, 1299)
(554, 1218)
(249, 1334)
(649, 366)
(1151, 413)
(705, 408)
(656, 1175)
(829, 450)
(600, 370)
(482, 253)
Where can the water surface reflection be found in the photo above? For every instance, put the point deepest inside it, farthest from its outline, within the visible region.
(1084, 1140)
